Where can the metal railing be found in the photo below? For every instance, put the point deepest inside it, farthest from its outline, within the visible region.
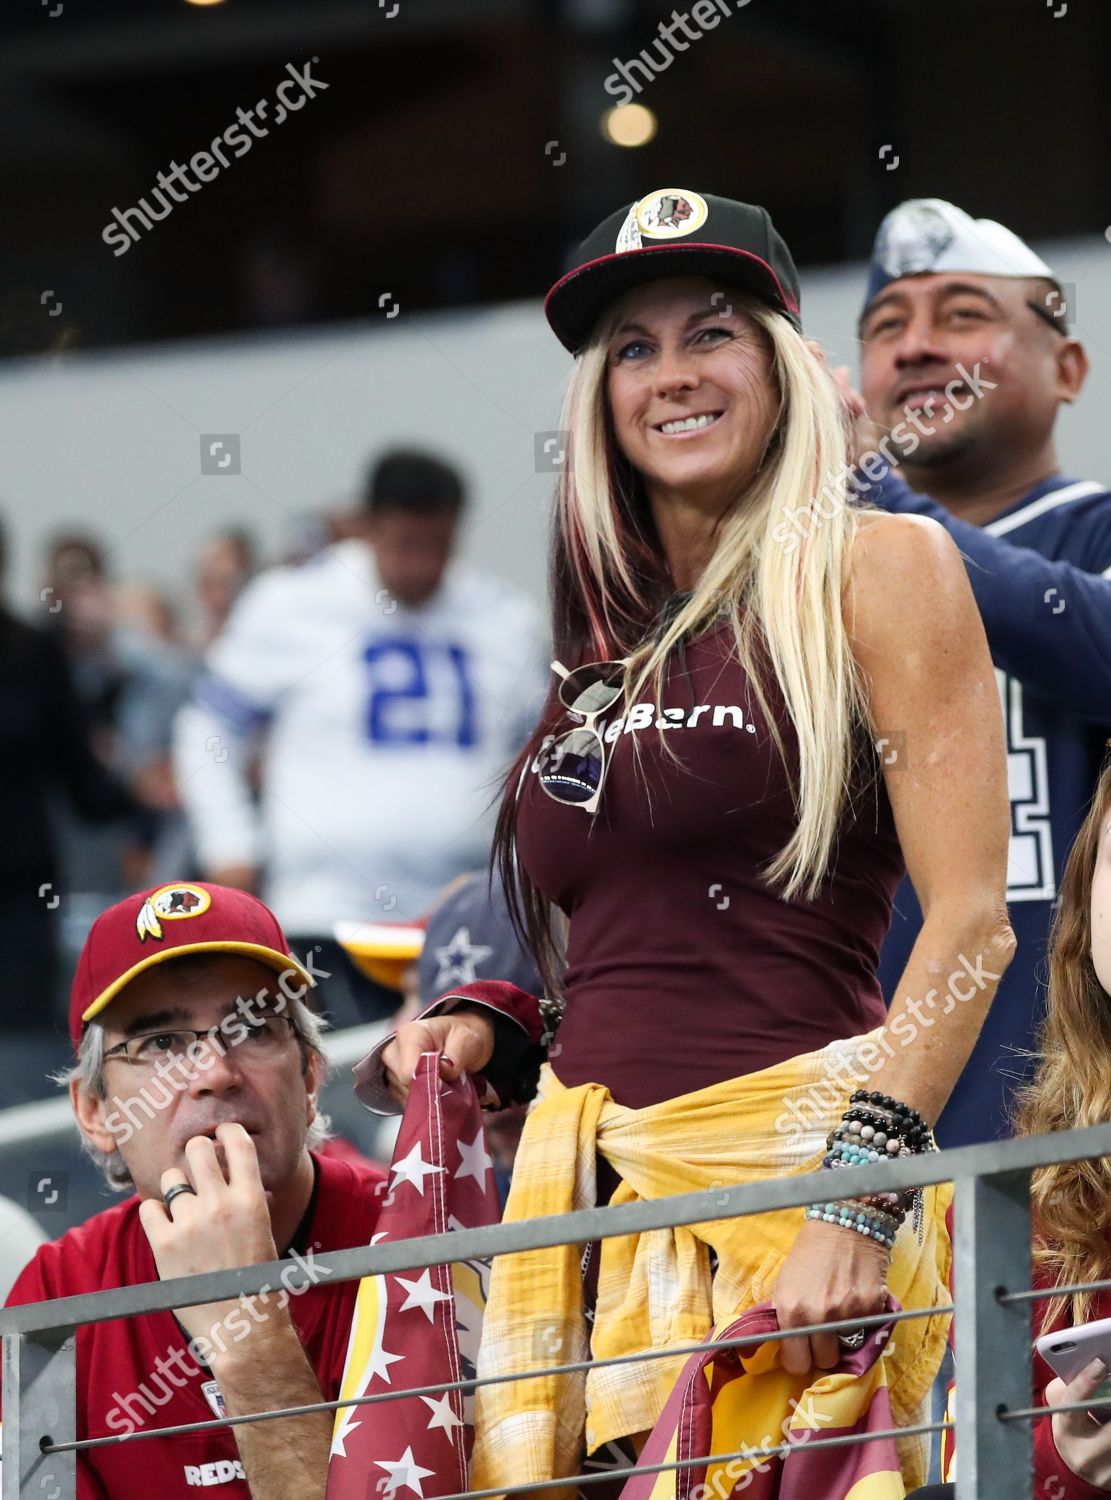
(992, 1312)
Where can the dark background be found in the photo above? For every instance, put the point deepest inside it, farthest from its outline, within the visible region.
(422, 170)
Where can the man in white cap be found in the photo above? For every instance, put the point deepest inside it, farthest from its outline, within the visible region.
(966, 357)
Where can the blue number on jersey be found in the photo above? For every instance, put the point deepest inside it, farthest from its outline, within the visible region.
(383, 726)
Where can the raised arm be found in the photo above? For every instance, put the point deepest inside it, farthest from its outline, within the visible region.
(489, 1027)
(1049, 623)
(920, 642)
(258, 1360)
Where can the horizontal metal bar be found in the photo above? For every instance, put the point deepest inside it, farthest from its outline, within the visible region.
(871, 1320)
(844, 1441)
(848, 1440)
(1027, 1413)
(1041, 1293)
(985, 1159)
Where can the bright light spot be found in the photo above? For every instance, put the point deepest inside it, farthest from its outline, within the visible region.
(629, 125)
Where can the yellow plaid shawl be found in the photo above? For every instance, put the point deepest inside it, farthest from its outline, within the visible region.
(655, 1289)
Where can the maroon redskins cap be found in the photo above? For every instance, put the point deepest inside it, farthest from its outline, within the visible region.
(673, 232)
(166, 922)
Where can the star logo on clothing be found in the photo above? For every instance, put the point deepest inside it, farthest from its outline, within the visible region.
(459, 960)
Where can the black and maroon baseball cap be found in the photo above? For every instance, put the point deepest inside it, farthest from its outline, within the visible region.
(166, 922)
(673, 232)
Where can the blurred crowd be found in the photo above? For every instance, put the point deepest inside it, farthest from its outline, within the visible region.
(89, 694)
(135, 731)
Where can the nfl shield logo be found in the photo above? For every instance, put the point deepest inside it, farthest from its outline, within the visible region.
(214, 1398)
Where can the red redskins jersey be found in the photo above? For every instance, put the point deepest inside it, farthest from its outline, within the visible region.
(135, 1373)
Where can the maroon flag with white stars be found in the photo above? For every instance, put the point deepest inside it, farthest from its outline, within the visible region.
(419, 1328)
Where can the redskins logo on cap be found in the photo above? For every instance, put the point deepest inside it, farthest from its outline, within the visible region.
(666, 214)
(170, 904)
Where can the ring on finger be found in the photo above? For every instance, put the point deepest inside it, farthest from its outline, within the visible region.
(852, 1340)
(175, 1190)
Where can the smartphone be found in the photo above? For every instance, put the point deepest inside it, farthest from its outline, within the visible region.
(1070, 1350)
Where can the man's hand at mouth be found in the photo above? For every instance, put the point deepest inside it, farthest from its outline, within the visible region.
(250, 1343)
(223, 1223)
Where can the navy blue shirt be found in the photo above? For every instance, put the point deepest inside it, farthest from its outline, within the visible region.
(1041, 574)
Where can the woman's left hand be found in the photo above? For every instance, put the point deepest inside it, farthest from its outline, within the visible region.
(830, 1273)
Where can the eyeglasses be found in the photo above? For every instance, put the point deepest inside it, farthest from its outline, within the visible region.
(573, 767)
(259, 1040)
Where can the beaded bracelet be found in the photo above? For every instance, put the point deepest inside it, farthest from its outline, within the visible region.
(886, 1203)
(858, 1220)
(840, 1163)
(889, 1202)
(874, 1128)
(891, 1116)
(856, 1155)
(884, 1218)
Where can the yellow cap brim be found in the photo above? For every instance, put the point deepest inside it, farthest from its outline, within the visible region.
(379, 950)
(281, 963)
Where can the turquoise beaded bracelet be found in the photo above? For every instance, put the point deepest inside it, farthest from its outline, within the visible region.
(859, 1220)
(857, 1156)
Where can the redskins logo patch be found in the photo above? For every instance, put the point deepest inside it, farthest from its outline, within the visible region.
(171, 903)
(666, 214)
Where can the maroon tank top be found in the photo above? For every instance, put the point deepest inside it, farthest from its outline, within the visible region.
(683, 967)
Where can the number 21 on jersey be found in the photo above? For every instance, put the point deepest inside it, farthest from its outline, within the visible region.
(421, 693)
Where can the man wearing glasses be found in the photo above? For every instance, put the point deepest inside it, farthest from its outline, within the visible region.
(966, 358)
(198, 1071)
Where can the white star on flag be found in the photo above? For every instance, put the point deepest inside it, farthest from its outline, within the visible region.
(432, 1432)
(459, 960)
(340, 1438)
(413, 1169)
(442, 1414)
(406, 1471)
(421, 1293)
(474, 1160)
(380, 1363)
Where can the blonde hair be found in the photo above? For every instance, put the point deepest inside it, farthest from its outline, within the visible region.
(779, 578)
(783, 595)
(1071, 1085)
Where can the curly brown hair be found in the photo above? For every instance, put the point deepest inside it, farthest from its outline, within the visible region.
(1071, 1084)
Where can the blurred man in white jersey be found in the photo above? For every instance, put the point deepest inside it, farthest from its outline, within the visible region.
(391, 685)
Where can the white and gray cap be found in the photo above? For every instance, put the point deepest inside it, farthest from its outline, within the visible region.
(926, 236)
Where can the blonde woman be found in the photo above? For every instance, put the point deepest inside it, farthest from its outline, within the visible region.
(1071, 1088)
(767, 702)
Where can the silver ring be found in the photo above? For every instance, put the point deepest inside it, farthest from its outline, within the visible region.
(175, 1189)
(852, 1340)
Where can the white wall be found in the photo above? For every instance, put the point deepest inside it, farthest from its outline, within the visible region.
(110, 442)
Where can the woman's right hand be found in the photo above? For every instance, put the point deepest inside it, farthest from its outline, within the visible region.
(464, 1040)
(1082, 1445)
